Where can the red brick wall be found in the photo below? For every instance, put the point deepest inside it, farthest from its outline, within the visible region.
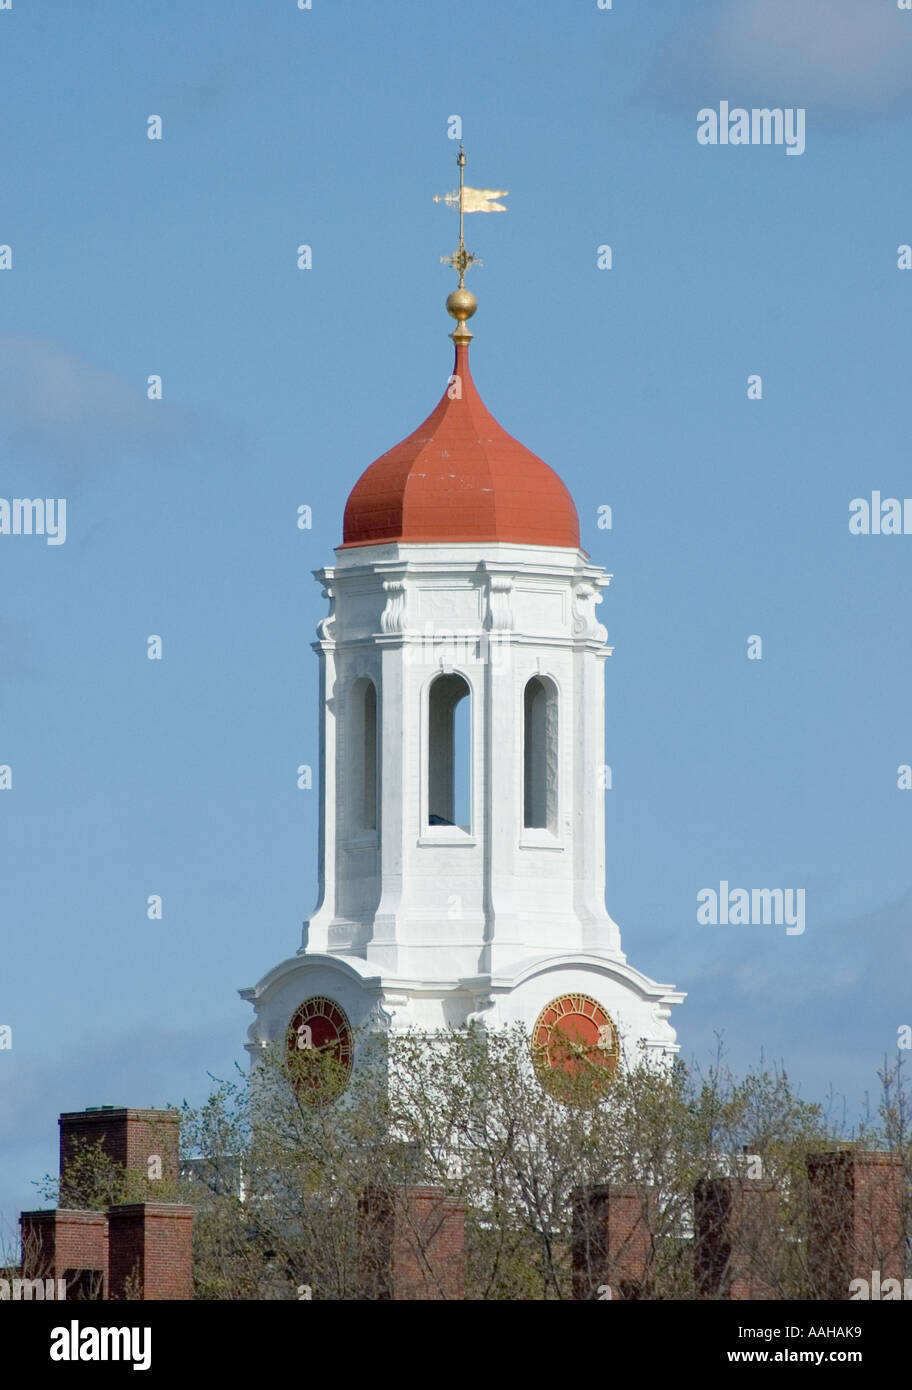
(613, 1240)
(151, 1243)
(736, 1238)
(59, 1243)
(855, 1219)
(128, 1136)
(412, 1244)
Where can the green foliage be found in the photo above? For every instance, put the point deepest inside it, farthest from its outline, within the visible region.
(93, 1181)
(279, 1178)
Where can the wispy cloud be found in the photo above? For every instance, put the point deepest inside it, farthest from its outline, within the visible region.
(839, 57)
(822, 1004)
(841, 962)
(52, 400)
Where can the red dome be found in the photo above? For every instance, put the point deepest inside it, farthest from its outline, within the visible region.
(460, 477)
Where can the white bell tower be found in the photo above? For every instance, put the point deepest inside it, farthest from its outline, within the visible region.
(462, 777)
(467, 667)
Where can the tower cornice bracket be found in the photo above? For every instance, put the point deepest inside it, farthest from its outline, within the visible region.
(326, 626)
(393, 617)
(499, 617)
(585, 597)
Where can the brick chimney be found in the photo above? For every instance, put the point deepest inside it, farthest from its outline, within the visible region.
(412, 1244)
(150, 1251)
(70, 1245)
(143, 1141)
(855, 1219)
(613, 1241)
(736, 1237)
(141, 1250)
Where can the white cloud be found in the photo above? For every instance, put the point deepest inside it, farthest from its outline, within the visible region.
(849, 58)
(50, 398)
(846, 54)
(835, 966)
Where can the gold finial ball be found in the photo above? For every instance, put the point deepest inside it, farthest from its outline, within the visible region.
(461, 304)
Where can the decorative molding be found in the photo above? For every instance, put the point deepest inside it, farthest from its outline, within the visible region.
(484, 1006)
(584, 623)
(661, 1013)
(326, 626)
(379, 1019)
(500, 612)
(390, 1010)
(392, 619)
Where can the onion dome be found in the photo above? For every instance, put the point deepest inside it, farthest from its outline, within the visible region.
(460, 477)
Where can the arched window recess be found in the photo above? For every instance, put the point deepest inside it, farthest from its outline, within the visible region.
(540, 755)
(449, 780)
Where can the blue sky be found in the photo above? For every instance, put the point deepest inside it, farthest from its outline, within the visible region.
(329, 127)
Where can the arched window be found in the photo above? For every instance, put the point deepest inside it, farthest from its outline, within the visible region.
(449, 751)
(540, 754)
(363, 755)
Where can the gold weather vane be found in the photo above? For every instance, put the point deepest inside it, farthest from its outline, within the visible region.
(462, 304)
(468, 200)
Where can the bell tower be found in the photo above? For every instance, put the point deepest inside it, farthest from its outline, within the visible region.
(462, 829)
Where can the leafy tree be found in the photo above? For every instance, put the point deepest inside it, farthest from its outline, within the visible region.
(467, 1112)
